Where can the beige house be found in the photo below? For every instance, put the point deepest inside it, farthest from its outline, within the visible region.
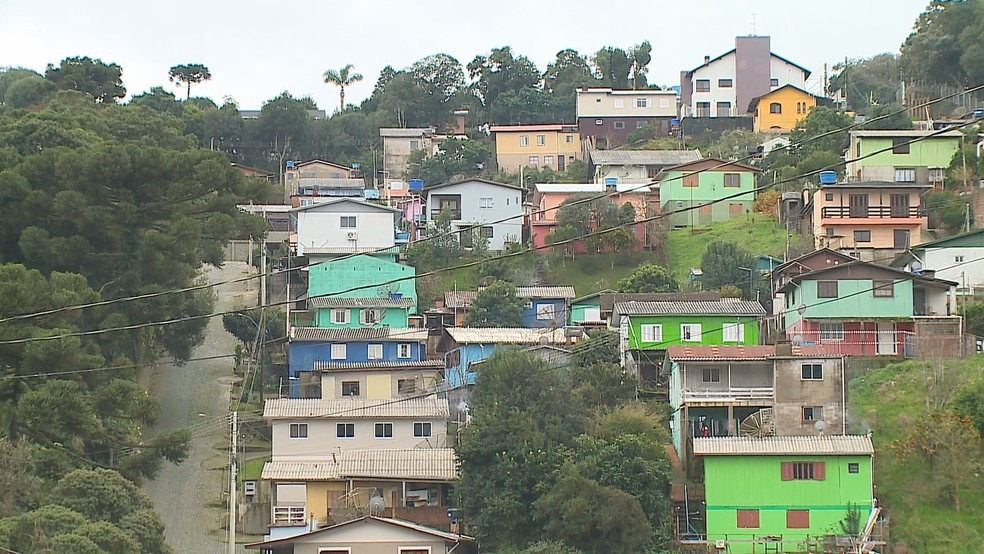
(366, 535)
(808, 391)
(539, 146)
(399, 144)
(315, 174)
(378, 379)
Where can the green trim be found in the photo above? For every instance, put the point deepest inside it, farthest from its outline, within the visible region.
(784, 507)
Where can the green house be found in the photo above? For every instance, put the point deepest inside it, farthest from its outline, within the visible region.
(340, 296)
(706, 191)
(774, 494)
(646, 329)
(902, 156)
(586, 310)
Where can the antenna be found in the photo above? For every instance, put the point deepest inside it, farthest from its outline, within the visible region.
(376, 504)
(819, 426)
(753, 24)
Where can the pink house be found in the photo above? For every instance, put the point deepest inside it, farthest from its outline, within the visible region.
(547, 198)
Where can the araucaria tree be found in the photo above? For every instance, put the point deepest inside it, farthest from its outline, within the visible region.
(342, 78)
(189, 74)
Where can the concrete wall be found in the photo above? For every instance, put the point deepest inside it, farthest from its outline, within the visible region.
(793, 393)
(321, 227)
(377, 384)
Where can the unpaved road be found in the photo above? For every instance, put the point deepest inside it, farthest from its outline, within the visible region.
(191, 497)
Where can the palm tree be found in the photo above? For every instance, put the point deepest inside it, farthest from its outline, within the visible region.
(342, 78)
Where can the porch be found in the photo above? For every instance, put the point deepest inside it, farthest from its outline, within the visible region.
(917, 337)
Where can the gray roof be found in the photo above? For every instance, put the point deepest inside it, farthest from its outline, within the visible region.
(821, 445)
(357, 334)
(719, 307)
(464, 298)
(367, 302)
(324, 365)
(905, 133)
(608, 299)
(428, 464)
(355, 408)
(409, 133)
(644, 157)
(506, 335)
(333, 201)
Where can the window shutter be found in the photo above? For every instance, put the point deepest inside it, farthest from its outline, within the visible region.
(787, 471)
(819, 470)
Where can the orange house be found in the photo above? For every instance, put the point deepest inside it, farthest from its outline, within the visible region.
(780, 110)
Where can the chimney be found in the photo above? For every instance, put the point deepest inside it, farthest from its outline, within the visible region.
(784, 348)
(929, 273)
(707, 59)
(459, 121)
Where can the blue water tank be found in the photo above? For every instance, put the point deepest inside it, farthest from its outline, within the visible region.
(290, 163)
(611, 181)
(828, 177)
(416, 184)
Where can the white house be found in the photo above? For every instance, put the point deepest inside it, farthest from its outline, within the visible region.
(496, 207)
(344, 226)
(959, 258)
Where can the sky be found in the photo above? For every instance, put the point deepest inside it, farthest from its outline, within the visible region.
(256, 50)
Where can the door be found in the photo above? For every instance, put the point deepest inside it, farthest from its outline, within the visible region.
(900, 205)
(886, 339)
(561, 162)
(901, 239)
(858, 205)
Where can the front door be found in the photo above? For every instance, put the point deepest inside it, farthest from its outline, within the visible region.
(561, 162)
(886, 339)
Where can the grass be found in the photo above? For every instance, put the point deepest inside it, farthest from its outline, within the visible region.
(591, 273)
(252, 468)
(757, 233)
(887, 400)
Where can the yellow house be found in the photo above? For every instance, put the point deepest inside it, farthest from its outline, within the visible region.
(554, 146)
(780, 110)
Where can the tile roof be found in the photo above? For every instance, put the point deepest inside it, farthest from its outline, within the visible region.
(822, 445)
(358, 334)
(425, 464)
(464, 298)
(355, 408)
(323, 365)
(364, 302)
(729, 352)
(719, 307)
(505, 335)
(608, 299)
(644, 157)
(575, 188)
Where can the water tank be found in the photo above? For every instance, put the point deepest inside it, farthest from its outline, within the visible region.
(828, 177)
(290, 163)
(611, 181)
(416, 184)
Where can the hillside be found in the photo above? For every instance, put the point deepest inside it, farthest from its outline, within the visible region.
(756, 233)
(886, 400)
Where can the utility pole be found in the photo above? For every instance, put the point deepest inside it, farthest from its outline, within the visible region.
(233, 470)
(263, 274)
(967, 218)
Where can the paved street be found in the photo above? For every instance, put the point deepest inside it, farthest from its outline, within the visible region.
(191, 496)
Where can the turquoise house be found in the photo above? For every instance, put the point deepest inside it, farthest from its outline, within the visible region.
(362, 291)
(706, 191)
(586, 310)
(780, 494)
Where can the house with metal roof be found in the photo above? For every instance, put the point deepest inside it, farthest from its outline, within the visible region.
(706, 191)
(378, 379)
(546, 306)
(464, 347)
(495, 210)
(781, 494)
(635, 166)
(366, 534)
(959, 258)
(341, 226)
(911, 156)
(361, 291)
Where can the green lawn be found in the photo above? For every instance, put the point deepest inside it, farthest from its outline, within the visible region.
(886, 400)
(589, 274)
(757, 233)
(252, 469)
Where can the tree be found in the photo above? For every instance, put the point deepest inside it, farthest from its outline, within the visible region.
(496, 306)
(188, 74)
(868, 82)
(969, 402)
(19, 488)
(342, 78)
(942, 46)
(500, 72)
(973, 314)
(947, 210)
(641, 55)
(726, 263)
(159, 100)
(894, 117)
(648, 278)
(602, 347)
(245, 325)
(29, 91)
(100, 80)
(10, 75)
(442, 245)
(613, 66)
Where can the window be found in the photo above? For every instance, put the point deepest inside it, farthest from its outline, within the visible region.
(958, 259)
(664, 102)
(812, 413)
(797, 519)
(599, 122)
(619, 125)
(421, 429)
(798, 107)
(735, 209)
(384, 430)
(937, 174)
(548, 161)
(703, 109)
(775, 107)
(854, 467)
(569, 139)
(340, 316)
(369, 317)
(732, 179)
(414, 145)
(350, 388)
(348, 222)
(403, 350)
(406, 386)
(804, 471)
(831, 331)
(642, 102)
(829, 197)
(345, 430)
(905, 175)
(711, 375)
(541, 140)
(724, 109)
(857, 205)
(691, 180)
(545, 312)
(690, 332)
(830, 231)
(862, 235)
(901, 239)
(725, 83)
(812, 372)
(826, 289)
(375, 352)
(298, 430)
(619, 103)
(883, 288)
(773, 82)
(748, 519)
(338, 351)
(733, 332)
(524, 140)
(289, 515)
(900, 145)
(651, 333)
(485, 202)
(702, 85)
(534, 161)
(487, 231)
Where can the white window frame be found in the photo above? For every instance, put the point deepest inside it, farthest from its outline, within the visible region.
(289, 515)
(424, 426)
(545, 312)
(642, 102)
(834, 331)
(413, 549)
(364, 318)
(374, 351)
(534, 161)
(376, 428)
(650, 333)
(548, 161)
(541, 140)
(297, 430)
(404, 347)
(905, 175)
(343, 220)
(691, 330)
(486, 203)
(339, 351)
(710, 375)
(524, 140)
(344, 312)
(733, 332)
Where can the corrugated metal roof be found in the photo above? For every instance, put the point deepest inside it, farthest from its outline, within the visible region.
(365, 302)
(459, 298)
(719, 307)
(825, 445)
(546, 127)
(349, 250)
(608, 299)
(505, 335)
(322, 365)
(355, 408)
(424, 464)
(359, 334)
(729, 352)
(464, 298)
(644, 157)
(575, 188)
(400, 132)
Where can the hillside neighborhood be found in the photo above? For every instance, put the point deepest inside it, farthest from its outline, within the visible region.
(518, 312)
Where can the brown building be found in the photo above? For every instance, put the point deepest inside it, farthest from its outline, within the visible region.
(606, 117)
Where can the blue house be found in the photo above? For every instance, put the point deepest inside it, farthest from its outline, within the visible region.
(309, 345)
(465, 346)
(546, 307)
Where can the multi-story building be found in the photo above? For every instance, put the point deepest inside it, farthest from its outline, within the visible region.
(399, 144)
(548, 197)
(725, 86)
(378, 379)
(635, 166)
(316, 174)
(545, 306)
(344, 226)
(901, 156)
(493, 209)
(780, 275)
(606, 117)
(779, 110)
(958, 258)
(361, 291)
(706, 191)
(464, 347)
(539, 146)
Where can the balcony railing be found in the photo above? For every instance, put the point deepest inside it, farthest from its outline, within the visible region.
(872, 212)
(455, 214)
(732, 394)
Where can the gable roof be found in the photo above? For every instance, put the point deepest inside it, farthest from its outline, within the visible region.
(462, 181)
(286, 541)
(334, 201)
(719, 307)
(643, 157)
(898, 273)
(378, 365)
(697, 353)
(755, 101)
(505, 335)
(575, 188)
(404, 132)
(773, 54)
(368, 302)
(799, 259)
(610, 298)
(822, 445)
(955, 241)
(323, 162)
(341, 334)
(710, 164)
(905, 133)
(546, 127)
(354, 408)
(464, 298)
(593, 295)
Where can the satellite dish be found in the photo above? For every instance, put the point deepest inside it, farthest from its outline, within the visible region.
(819, 426)
(759, 424)
(916, 266)
(376, 505)
(797, 340)
(544, 341)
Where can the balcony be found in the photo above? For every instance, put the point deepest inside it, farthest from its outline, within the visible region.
(455, 214)
(872, 212)
(732, 395)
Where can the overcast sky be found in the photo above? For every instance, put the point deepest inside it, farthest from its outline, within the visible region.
(255, 50)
